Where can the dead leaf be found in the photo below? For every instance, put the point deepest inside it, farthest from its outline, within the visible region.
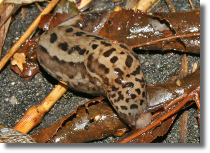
(136, 27)
(24, 61)
(18, 59)
(92, 121)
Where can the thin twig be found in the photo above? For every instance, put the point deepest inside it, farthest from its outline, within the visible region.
(144, 5)
(170, 5)
(191, 4)
(28, 32)
(167, 38)
(39, 7)
(183, 127)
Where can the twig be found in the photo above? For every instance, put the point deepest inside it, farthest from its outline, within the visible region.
(165, 116)
(191, 4)
(184, 66)
(28, 32)
(39, 7)
(184, 116)
(144, 5)
(23, 9)
(170, 5)
(34, 115)
(183, 127)
(167, 38)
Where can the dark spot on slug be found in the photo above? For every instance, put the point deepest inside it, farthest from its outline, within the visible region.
(141, 102)
(94, 46)
(106, 81)
(134, 106)
(105, 43)
(109, 52)
(128, 92)
(114, 88)
(129, 61)
(118, 71)
(113, 95)
(63, 46)
(79, 33)
(143, 94)
(114, 59)
(108, 91)
(69, 30)
(128, 84)
(89, 63)
(104, 68)
(122, 52)
(128, 75)
(119, 80)
(71, 77)
(137, 71)
(127, 100)
(56, 59)
(120, 95)
(142, 81)
(96, 37)
(124, 107)
(138, 91)
(133, 96)
(77, 48)
(72, 64)
(53, 37)
(123, 46)
(43, 49)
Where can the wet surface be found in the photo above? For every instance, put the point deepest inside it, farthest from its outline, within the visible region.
(18, 95)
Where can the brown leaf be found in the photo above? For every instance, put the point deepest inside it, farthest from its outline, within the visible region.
(48, 21)
(24, 61)
(91, 121)
(167, 91)
(136, 27)
(5, 11)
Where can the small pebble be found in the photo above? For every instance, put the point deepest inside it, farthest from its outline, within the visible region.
(13, 100)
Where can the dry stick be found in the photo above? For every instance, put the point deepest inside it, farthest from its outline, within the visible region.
(191, 4)
(184, 116)
(34, 115)
(168, 114)
(144, 5)
(183, 127)
(167, 38)
(28, 32)
(170, 5)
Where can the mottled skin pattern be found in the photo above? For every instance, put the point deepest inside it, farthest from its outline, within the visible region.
(95, 65)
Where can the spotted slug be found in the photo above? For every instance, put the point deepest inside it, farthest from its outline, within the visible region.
(99, 66)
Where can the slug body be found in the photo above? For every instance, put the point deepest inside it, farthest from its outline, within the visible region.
(98, 66)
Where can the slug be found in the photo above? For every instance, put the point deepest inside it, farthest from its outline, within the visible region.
(93, 64)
